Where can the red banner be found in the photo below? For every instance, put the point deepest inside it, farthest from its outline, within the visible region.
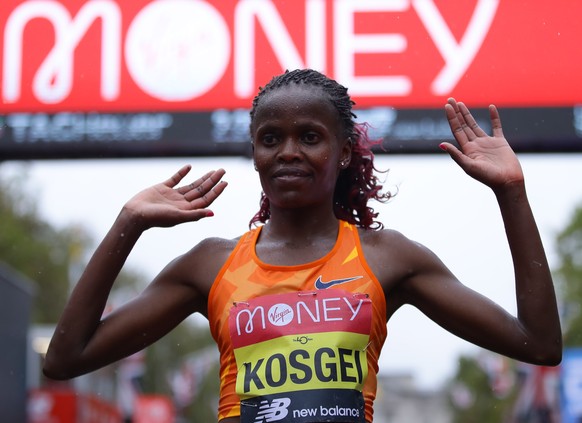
(53, 406)
(194, 55)
(154, 409)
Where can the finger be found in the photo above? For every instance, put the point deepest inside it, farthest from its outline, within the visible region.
(473, 129)
(456, 154)
(495, 121)
(195, 215)
(456, 121)
(462, 114)
(204, 185)
(208, 197)
(177, 177)
(196, 184)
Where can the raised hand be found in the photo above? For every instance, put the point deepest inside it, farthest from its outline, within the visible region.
(164, 205)
(489, 159)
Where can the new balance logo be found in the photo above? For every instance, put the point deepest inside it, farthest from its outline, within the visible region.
(275, 411)
(319, 284)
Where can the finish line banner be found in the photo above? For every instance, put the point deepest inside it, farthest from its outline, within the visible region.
(143, 65)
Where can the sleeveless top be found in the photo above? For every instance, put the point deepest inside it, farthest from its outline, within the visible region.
(298, 343)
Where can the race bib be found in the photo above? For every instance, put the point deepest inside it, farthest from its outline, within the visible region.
(301, 356)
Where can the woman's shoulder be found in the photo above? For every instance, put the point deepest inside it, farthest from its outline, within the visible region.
(392, 256)
(200, 265)
(216, 244)
(389, 240)
(390, 243)
(383, 246)
(385, 238)
(213, 249)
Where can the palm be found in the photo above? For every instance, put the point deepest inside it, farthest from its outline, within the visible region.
(164, 205)
(488, 159)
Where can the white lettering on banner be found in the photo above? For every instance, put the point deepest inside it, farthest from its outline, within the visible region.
(282, 314)
(249, 328)
(285, 50)
(166, 41)
(459, 56)
(54, 79)
(233, 125)
(230, 125)
(76, 127)
(348, 43)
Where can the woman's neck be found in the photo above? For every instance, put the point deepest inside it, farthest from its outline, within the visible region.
(293, 240)
(296, 226)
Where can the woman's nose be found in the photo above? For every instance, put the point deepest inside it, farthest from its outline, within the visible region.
(289, 149)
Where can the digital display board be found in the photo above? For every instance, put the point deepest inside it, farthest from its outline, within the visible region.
(142, 78)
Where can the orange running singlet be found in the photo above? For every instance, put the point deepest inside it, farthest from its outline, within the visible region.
(298, 343)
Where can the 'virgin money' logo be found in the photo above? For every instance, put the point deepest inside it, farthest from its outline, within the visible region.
(280, 314)
(297, 314)
(187, 53)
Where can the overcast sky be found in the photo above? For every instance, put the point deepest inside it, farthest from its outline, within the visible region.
(437, 205)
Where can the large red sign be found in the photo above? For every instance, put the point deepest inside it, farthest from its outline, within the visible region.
(194, 55)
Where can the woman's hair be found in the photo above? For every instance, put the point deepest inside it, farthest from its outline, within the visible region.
(357, 183)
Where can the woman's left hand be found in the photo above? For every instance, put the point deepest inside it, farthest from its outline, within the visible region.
(488, 159)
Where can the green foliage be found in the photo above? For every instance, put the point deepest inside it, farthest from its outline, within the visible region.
(480, 403)
(569, 279)
(472, 379)
(53, 257)
(36, 249)
(174, 350)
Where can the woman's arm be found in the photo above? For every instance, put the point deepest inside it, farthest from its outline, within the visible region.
(534, 335)
(83, 339)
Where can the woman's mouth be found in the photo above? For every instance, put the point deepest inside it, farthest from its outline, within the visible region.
(290, 174)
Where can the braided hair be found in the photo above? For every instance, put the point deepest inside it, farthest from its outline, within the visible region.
(357, 183)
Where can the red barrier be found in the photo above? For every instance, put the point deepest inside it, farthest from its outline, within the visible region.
(60, 406)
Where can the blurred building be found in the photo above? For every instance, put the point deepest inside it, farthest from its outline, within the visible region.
(400, 400)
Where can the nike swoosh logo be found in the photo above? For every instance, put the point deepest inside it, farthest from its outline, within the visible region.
(319, 284)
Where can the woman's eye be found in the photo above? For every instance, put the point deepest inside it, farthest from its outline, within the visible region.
(269, 139)
(310, 138)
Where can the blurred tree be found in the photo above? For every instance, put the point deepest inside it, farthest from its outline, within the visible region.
(53, 257)
(568, 277)
(472, 398)
(36, 249)
(482, 389)
(190, 375)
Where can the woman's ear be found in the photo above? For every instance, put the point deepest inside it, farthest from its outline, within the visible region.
(346, 153)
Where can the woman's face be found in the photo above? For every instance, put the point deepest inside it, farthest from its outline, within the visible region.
(298, 145)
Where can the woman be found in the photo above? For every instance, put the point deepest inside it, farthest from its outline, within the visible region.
(298, 306)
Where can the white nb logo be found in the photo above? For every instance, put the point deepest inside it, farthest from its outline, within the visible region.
(275, 411)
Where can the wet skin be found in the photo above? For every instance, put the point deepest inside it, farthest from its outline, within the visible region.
(298, 146)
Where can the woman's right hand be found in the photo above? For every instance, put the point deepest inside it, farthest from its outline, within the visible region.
(164, 205)
(84, 340)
